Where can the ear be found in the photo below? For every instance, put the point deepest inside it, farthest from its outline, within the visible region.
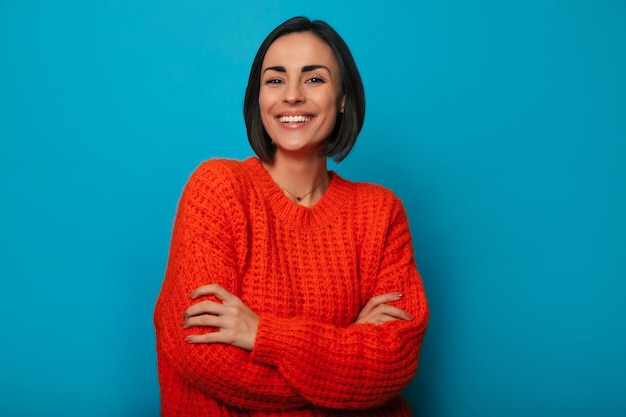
(342, 106)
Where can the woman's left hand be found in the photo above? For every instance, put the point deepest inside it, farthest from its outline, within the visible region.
(237, 324)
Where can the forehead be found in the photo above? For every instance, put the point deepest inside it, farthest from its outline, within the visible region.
(299, 49)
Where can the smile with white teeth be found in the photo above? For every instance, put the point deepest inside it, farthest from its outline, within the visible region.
(294, 119)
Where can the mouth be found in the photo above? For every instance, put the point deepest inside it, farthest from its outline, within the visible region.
(301, 118)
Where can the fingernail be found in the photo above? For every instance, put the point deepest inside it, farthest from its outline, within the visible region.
(399, 295)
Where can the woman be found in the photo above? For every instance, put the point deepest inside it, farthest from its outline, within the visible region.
(289, 290)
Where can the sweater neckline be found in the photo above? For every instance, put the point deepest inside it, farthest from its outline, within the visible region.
(325, 211)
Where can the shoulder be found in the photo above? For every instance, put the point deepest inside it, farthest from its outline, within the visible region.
(217, 182)
(379, 197)
(220, 174)
(218, 169)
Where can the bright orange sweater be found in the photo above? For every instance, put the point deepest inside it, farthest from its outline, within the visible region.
(306, 272)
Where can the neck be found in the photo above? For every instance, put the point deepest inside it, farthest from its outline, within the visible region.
(303, 180)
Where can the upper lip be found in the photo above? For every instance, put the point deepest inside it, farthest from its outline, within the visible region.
(294, 113)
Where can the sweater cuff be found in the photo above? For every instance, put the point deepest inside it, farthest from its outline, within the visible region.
(272, 340)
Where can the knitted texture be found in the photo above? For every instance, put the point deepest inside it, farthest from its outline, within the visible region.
(307, 273)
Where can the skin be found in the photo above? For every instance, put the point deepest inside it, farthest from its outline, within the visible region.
(300, 77)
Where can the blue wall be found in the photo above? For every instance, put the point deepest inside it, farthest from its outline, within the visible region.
(502, 126)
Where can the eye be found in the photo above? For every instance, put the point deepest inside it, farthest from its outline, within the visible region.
(315, 80)
(273, 81)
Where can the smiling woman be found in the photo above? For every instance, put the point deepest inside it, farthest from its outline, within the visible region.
(301, 94)
(289, 290)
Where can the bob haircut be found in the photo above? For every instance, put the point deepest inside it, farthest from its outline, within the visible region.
(348, 124)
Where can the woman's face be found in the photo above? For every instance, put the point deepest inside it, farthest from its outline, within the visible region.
(300, 93)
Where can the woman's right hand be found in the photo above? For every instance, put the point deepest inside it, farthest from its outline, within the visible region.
(377, 311)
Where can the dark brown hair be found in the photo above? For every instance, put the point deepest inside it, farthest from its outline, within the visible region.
(348, 124)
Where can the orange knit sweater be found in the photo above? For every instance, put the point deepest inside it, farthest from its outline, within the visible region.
(306, 272)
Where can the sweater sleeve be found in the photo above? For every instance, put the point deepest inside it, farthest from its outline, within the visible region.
(361, 365)
(202, 251)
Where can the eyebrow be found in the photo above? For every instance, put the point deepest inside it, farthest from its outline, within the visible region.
(305, 68)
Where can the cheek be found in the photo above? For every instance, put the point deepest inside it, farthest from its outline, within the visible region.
(332, 104)
(264, 109)
(263, 102)
(268, 97)
(266, 122)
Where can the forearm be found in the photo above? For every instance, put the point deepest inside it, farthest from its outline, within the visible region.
(359, 366)
(224, 372)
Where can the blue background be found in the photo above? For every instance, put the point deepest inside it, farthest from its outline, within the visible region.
(502, 126)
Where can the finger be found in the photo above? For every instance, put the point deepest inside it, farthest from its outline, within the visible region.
(214, 337)
(204, 320)
(394, 312)
(204, 290)
(378, 319)
(384, 310)
(205, 307)
(213, 289)
(383, 318)
(381, 299)
(384, 298)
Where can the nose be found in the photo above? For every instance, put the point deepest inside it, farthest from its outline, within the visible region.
(293, 94)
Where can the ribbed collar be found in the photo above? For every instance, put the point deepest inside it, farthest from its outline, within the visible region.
(329, 209)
